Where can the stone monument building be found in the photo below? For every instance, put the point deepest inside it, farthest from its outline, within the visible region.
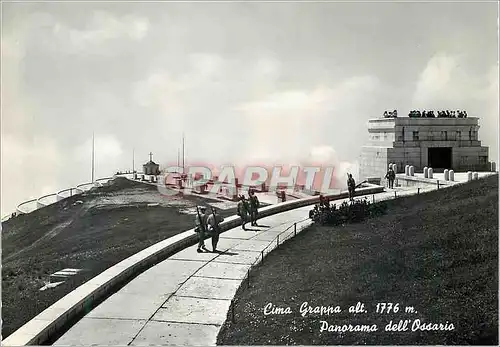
(440, 143)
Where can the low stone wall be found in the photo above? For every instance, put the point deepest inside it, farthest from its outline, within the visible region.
(40, 203)
(414, 181)
(45, 325)
(79, 189)
(60, 196)
(19, 208)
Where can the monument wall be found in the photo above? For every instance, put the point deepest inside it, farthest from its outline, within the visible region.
(441, 143)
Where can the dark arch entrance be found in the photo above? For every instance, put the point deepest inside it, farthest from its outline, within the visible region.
(440, 158)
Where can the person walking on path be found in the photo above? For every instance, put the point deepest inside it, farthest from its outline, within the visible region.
(243, 211)
(213, 221)
(254, 208)
(201, 227)
(391, 176)
(351, 186)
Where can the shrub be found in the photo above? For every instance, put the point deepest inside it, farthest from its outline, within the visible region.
(353, 212)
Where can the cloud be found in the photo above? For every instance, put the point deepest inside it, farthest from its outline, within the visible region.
(108, 155)
(231, 78)
(451, 82)
(29, 169)
(13, 104)
(104, 26)
(227, 122)
(293, 122)
(435, 78)
(206, 65)
(100, 28)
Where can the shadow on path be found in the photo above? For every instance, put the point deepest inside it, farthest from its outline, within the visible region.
(226, 253)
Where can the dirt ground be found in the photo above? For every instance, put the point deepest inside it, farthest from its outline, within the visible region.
(436, 252)
(92, 232)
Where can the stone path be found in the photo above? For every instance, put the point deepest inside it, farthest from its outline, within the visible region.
(184, 300)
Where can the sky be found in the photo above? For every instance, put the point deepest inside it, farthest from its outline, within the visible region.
(246, 82)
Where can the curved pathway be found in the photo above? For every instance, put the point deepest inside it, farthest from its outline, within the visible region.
(185, 299)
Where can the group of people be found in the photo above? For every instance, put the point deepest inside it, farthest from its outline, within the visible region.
(207, 223)
(389, 114)
(423, 114)
(440, 114)
(452, 114)
(248, 208)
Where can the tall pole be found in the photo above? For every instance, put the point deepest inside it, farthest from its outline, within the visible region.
(93, 150)
(183, 157)
(133, 160)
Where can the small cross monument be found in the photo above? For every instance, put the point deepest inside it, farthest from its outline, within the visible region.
(151, 168)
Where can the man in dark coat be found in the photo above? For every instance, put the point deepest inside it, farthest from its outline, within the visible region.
(351, 186)
(391, 176)
(254, 208)
(243, 210)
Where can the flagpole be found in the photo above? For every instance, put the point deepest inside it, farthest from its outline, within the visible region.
(133, 160)
(183, 155)
(93, 156)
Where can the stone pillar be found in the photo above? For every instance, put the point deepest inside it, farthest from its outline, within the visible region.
(407, 170)
(142, 177)
(429, 172)
(412, 170)
(426, 173)
(151, 179)
(446, 175)
(469, 175)
(452, 175)
(475, 175)
(135, 176)
(493, 166)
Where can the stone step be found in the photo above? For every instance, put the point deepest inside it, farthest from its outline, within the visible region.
(63, 274)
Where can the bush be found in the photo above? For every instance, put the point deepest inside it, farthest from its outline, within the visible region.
(353, 212)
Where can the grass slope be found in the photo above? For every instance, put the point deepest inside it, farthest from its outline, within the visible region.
(437, 252)
(64, 235)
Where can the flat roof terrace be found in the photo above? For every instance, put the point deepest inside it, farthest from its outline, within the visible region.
(415, 121)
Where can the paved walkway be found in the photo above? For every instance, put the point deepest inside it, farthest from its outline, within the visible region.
(184, 300)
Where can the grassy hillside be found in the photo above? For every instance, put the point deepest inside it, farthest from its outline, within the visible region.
(102, 230)
(436, 252)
